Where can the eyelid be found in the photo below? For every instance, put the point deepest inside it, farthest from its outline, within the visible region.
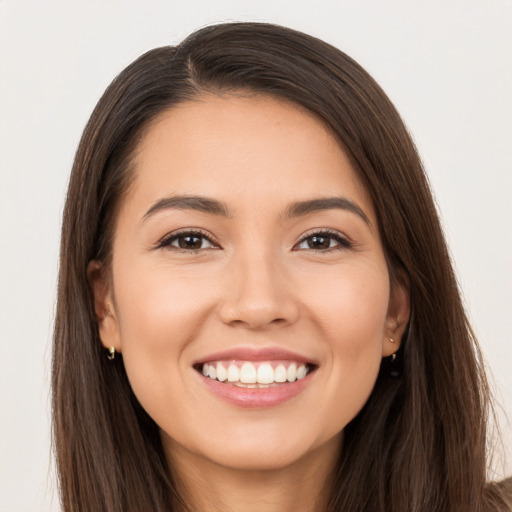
(344, 242)
(166, 240)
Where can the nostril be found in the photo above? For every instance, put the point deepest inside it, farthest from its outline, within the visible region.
(259, 305)
(276, 321)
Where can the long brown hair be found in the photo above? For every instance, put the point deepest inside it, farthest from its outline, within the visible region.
(419, 443)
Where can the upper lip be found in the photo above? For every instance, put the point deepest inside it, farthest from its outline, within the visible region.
(255, 354)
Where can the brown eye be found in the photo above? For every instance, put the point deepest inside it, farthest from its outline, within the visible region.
(324, 241)
(319, 242)
(193, 242)
(187, 241)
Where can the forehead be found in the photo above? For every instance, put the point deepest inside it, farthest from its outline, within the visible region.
(242, 148)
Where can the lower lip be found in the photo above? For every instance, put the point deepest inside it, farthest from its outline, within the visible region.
(257, 397)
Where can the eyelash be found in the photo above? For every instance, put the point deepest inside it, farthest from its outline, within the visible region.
(342, 241)
(171, 237)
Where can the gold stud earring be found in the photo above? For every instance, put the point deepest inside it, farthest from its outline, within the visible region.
(111, 353)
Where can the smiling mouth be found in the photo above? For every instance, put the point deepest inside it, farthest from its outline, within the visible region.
(250, 374)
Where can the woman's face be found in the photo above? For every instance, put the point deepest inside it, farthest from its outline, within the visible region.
(249, 292)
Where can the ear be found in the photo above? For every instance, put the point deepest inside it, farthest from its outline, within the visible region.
(108, 325)
(398, 315)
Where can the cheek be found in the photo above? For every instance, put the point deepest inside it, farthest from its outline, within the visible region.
(159, 314)
(350, 306)
(362, 305)
(351, 314)
(159, 308)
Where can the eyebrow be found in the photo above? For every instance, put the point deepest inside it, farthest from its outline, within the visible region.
(301, 208)
(295, 209)
(198, 203)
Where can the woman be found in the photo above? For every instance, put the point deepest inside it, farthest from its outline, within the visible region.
(257, 309)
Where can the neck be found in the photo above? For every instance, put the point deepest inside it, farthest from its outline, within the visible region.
(303, 486)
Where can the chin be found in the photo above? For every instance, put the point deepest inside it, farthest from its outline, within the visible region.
(262, 450)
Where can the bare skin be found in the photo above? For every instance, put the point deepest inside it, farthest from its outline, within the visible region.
(247, 233)
(255, 490)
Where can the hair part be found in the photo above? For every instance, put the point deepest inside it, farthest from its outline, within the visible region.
(419, 443)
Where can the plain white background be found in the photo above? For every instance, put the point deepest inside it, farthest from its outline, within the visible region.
(446, 65)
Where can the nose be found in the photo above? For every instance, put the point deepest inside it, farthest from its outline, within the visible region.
(258, 295)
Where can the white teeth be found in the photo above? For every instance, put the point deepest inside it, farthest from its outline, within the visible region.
(291, 373)
(280, 373)
(222, 374)
(248, 373)
(250, 376)
(265, 374)
(233, 373)
(212, 372)
(252, 386)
